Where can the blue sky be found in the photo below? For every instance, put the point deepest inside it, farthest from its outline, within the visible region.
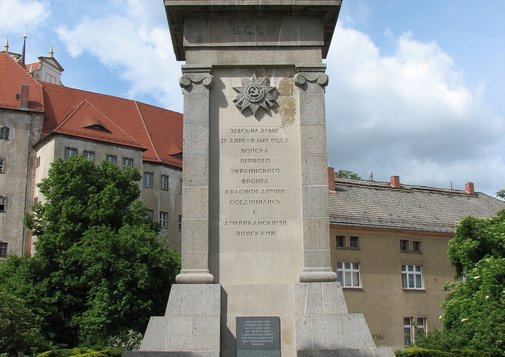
(417, 87)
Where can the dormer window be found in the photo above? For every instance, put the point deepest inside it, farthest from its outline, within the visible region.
(97, 127)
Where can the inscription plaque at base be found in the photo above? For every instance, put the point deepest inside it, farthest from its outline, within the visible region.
(258, 336)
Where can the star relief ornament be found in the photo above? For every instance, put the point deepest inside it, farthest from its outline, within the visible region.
(255, 93)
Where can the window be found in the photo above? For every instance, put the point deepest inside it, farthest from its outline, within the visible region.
(343, 242)
(70, 152)
(181, 188)
(3, 249)
(180, 223)
(111, 158)
(4, 133)
(148, 179)
(348, 274)
(405, 246)
(149, 215)
(413, 328)
(2, 165)
(407, 331)
(127, 161)
(354, 242)
(164, 182)
(412, 277)
(3, 204)
(163, 219)
(37, 161)
(90, 155)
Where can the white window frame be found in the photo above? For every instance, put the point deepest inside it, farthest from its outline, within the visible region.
(148, 179)
(412, 330)
(163, 221)
(3, 204)
(69, 152)
(127, 161)
(111, 158)
(4, 246)
(89, 155)
(164, 181)
(349, 274)
(412, 277)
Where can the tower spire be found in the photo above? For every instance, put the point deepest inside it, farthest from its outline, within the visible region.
(23, 53)
(6, 45)
(51, 51)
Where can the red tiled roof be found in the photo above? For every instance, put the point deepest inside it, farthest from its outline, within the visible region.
(12, 76)
(77, 113)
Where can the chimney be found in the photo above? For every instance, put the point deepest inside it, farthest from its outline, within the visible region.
(23, 99)
(469, 188)
(331, 179)
(395, 181)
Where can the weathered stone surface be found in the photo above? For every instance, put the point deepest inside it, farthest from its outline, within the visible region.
(256, 221)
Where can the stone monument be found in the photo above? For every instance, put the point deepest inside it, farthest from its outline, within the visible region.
(256, 276)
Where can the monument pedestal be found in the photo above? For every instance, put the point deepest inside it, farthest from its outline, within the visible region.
(255, 231)
(191, 323)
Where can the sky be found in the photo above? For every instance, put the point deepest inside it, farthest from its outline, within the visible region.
(417, 87)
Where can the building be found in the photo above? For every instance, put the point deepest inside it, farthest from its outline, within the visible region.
(42, 121)
(388, 240)
(389, 249)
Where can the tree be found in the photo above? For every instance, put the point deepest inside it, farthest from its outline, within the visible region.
(20, 327)
(474, 310)
(347, 174)
(501, 194)
(99, 268)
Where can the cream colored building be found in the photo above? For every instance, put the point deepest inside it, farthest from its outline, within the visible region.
(389, 249)
(42, 121)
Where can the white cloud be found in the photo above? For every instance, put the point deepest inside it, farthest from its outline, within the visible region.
(136, 44)
(410, 114)
(16, 14)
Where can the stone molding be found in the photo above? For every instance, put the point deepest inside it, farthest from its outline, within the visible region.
(195, 75)
(312, 75)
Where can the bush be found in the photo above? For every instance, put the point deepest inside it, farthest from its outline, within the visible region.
(82, 352)
(426, 352)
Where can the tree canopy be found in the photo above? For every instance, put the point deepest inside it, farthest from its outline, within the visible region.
(99, 268)
(474, 311)
(347, 174)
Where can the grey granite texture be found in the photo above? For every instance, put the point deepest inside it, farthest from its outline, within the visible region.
(191, 322)
(324, 328)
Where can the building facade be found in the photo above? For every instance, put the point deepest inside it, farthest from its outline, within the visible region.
(389, 246)
(42, 121)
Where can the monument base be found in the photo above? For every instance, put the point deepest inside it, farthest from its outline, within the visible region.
(190, 326)
(323, 326)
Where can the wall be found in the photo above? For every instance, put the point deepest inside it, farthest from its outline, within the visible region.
(381, 296)
(15, 181)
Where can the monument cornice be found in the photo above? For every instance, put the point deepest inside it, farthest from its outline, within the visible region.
(177, 10)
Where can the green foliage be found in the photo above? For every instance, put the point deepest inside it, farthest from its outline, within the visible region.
(347, 174)
(501, 194)
(427, 352)
(99, 267)
(475, 239)
(474, 310)
(82, 352)
(20, 329)
(129, 340)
